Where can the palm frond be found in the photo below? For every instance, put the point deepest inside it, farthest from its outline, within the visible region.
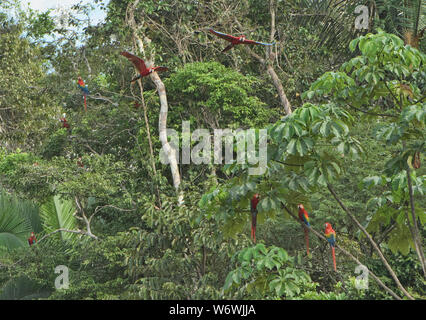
(56, 214)
(335, 19)
(14, 226)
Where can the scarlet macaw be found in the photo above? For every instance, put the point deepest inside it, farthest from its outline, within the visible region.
(253, 209)
(236, 40)
(304, 217)
(85, 91)
(330, 234)
(65, 124)
(32, 239)
(80, 162)
(140, 65)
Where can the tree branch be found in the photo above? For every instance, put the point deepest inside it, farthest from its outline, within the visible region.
(320, 236)
(372, 113)
(70, 231)
(415, 230)
(375, 246)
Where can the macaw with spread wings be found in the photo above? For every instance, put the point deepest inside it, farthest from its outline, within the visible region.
(236, 40)
(140, 65)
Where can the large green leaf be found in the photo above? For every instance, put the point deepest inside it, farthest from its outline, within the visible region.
(57, 214)
(14, 227)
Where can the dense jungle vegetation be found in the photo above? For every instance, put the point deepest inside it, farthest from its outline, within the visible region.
(344, 111)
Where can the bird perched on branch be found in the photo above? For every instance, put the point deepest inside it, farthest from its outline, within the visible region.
(330, 234)
(65, 124)
(304, 217)
(84, 90)
(253, 209)
(32, 239)
(236, 40)
(140, 66)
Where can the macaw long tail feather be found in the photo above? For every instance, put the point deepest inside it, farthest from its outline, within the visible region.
(334, 258)
(85, 104)
(306, 230)
(253, 227)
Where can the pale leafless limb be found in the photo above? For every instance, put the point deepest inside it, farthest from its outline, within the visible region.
(84, 218)
(84, 233)
(98, 96)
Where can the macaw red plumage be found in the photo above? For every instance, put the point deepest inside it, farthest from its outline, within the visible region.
(65, 124)
(253, 209)
(85, 91)
(32, 239)
(304, 217)
(236, 40)
(330, 234)
(140, 65)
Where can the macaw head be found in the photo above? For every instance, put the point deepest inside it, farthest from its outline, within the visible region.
(327, 226)
(32, 234)
(242, 38)
(257, 196)
(300, 206)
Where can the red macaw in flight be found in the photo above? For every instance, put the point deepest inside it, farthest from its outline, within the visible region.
(140, 65)
(84, 89)
(32, 239)
(304, 217)
(253, 209)
(330, 234)
(236, 40)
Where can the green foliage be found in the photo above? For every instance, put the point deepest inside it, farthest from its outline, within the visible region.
(55, 145)
(22, 288)
(358, 127)
(215, 96)
(265, 273)
(59, 214)
(17, 220)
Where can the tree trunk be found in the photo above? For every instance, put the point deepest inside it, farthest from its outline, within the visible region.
(162, 127)
(162, 121)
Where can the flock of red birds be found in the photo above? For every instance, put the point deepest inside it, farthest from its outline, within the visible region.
(144, 71)
(330, 234)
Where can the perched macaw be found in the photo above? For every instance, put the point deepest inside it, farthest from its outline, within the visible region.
(140, 65)
(304, 217)
(253, 209)
(80, 162)
(65, 124)
(330, 234)
(85, 91)
(32, 239)
(236, 40)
